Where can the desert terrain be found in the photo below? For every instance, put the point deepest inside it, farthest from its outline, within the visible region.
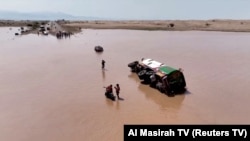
(171, 25)
(166, 25)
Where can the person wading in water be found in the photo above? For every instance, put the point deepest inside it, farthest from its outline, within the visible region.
(117, 90)
(103, 64)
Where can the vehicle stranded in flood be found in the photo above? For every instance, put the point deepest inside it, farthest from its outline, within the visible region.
(166, 79)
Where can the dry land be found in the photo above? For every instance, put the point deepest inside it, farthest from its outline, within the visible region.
(173, 25)
(168, 25)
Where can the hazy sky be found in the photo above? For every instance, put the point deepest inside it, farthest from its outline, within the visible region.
(137, 9)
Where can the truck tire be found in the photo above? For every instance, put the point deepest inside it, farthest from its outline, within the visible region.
(142, 74)
(149, 73)
(147, 76)
(133, 64)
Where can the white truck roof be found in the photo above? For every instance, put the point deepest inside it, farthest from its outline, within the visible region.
(151, 63)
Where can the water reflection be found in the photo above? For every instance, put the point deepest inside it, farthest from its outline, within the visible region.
(103, 74)
(109, 102)
(162, 99)
(117, 104)
(134, 77)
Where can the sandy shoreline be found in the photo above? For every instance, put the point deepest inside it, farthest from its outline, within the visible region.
(168, 25)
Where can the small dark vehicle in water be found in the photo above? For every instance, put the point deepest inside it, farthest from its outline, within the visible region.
(166, 79)
(99, 49)
(109, 93)
(110, 96)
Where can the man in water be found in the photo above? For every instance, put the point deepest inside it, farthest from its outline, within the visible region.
(117, 90)
(109, 89)
(103, 64)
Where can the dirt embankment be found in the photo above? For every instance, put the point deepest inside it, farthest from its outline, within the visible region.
(172, 25)
(176, 25)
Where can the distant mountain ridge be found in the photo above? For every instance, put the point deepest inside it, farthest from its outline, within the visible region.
(12, 15)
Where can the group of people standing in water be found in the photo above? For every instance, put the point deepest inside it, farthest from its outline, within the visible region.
(109, 89)
(62, 34)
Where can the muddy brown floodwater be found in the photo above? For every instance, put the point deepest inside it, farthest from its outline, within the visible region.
(52, 90)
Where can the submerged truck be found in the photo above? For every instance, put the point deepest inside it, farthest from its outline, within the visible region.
(166, 79)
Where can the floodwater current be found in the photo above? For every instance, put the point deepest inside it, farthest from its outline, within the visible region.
(53, 89)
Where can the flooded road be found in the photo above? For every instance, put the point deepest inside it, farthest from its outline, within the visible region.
(53, 89)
